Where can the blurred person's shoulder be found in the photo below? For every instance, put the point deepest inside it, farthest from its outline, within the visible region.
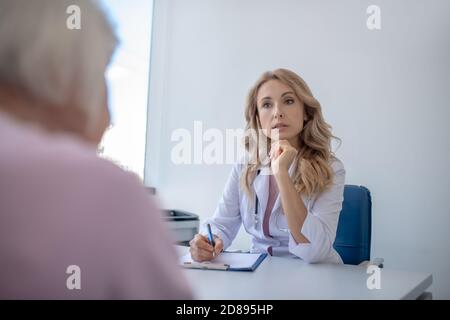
(28, 147)
(60, 181)
(39, 166)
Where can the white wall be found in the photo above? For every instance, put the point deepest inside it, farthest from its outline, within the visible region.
(384, 92)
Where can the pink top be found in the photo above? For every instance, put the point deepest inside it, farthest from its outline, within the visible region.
(61, 205)
(273, 193)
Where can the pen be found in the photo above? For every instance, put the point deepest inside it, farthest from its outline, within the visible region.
(211, 238)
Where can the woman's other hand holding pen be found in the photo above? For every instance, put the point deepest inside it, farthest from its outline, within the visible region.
(201, 250)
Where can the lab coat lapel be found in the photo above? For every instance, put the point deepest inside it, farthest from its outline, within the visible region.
(261, 188)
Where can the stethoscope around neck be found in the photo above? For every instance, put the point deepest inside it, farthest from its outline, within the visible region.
(255, 213)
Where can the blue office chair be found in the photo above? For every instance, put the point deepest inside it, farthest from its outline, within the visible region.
(355, 229)
(355, 225)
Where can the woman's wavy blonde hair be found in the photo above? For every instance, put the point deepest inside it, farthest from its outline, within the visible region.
(313, 173)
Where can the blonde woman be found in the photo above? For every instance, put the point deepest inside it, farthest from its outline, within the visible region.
(289, 197)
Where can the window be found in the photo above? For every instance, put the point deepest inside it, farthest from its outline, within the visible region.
(127, 79)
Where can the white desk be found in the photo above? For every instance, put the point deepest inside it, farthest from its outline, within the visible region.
(288, 278)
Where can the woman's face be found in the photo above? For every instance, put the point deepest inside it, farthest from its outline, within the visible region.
(280, 111)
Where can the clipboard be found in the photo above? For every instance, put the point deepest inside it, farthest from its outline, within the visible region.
(206, 265)
(226, 261)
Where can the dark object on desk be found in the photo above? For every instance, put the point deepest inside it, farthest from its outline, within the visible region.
(355, 225)
(183, 224)
(151, 190)
(179, 215)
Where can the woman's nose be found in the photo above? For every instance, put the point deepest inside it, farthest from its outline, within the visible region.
(277, 111)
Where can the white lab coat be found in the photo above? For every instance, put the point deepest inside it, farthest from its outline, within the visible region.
(319, 227)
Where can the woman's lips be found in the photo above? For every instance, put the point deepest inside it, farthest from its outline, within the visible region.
(280, 127)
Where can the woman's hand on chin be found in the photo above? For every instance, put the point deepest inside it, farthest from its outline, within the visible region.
(282, 154)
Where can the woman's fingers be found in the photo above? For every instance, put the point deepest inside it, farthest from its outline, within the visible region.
(200, 242)
(276, 149)
(201, 255)
(219, 246)
(201, 249)
(272, 150)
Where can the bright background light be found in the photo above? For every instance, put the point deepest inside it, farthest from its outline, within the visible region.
(127, 78)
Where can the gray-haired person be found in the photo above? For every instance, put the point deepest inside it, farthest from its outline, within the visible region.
(72, 225)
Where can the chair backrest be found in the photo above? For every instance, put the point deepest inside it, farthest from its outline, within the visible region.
(355, 225)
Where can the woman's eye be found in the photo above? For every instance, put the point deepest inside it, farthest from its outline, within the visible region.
(266, 105)
(289, 101)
